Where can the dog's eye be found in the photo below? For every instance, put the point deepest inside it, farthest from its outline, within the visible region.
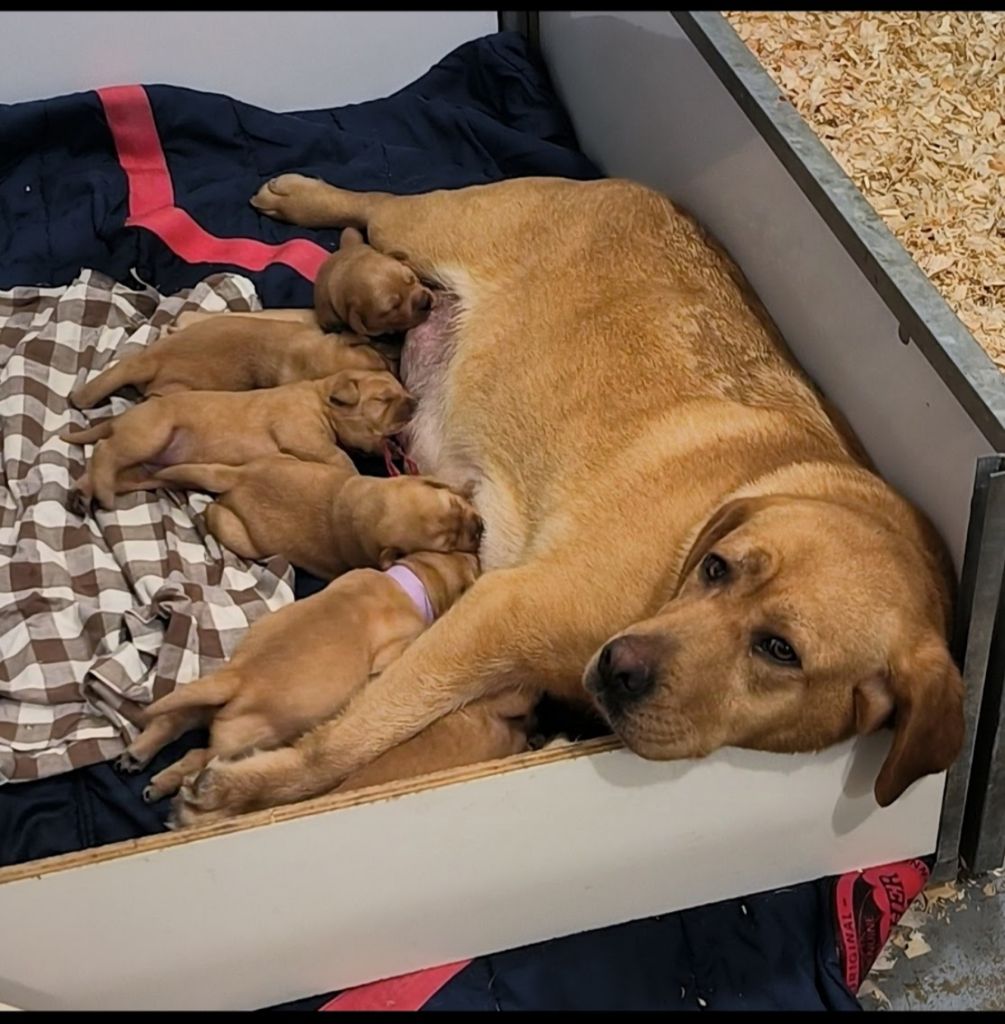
(714, 568)
(778, 650)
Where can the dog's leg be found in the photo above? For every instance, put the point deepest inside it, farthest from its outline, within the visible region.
(472, 735)
(308, 446)
(137, 478)
(299, 316)
(231, 532)
(159, 732)
(212, 477)
(138, 369)
(103, 471)
(169, 781)
(120, 452)
(505, 632)
(481, 228)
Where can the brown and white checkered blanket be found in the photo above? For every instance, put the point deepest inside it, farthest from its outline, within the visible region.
(99, 615)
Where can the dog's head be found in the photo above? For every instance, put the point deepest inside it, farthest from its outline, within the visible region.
(414, 513)
(795, 624)
(366, 406)
(369, 292)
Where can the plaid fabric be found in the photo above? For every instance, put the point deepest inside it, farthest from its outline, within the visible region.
(99, 615)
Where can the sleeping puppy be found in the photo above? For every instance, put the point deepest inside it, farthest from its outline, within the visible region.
(327, 518)
(231, 353)
(367, 291)
(298, 666)
(355, 408)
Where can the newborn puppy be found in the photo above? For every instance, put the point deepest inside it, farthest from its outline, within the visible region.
(298, 666)
(367, 291)
(327, 518)
(483, 730)
(231, 353)
(356, 408)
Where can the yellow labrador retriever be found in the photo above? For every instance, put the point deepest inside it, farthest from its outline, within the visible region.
(674, 521)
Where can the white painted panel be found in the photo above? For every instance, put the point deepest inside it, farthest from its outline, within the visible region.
(280, 60)
(335, 899)
(646, 106)
(320, 902)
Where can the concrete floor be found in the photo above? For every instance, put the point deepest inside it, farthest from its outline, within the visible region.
(946, 953)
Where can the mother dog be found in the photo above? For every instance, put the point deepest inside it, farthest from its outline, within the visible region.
(673, 516)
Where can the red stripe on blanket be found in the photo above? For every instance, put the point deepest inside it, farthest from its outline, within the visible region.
(867, 905)
(151, 196)
(127, 110)
(406, 992)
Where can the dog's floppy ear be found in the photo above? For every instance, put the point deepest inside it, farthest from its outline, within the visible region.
(923, 692)
(350, 237)
(723, 521)
(344, 392)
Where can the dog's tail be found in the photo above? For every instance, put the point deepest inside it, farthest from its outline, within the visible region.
(89, 434)
(213, 477)
(133, 369)
(212, 691)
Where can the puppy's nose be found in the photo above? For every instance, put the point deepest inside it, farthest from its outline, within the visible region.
(408, 406)
(624, 670)
(424, 303)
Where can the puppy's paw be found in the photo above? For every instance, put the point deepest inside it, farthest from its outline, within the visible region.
(465, 527)
(130, 764)
(81, 498)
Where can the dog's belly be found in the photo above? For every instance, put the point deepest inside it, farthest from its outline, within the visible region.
(425, 361)
(425, 370)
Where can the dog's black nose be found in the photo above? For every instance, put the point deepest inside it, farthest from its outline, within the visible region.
(624, 670)
(424, 302)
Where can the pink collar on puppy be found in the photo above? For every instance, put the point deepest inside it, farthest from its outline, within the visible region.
(414, 587)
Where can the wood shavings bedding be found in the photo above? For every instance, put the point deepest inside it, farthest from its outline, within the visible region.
(912, 106)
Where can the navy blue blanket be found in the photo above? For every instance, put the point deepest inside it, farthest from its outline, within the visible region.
(484, 113)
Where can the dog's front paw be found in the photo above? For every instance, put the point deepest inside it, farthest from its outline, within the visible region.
(290, 197)
(224, 789)
(206, 796)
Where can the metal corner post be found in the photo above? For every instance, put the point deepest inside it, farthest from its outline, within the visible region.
(977, 614)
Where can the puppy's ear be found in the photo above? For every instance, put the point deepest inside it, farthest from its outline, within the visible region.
(349, 238)
(388, 556)
(724, 521)
(344, 393)
(356, 321)
(923, 692)
(431, 481)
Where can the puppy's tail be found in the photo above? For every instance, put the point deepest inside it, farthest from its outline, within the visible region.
(209, 476)
(133, 369)
(210, 691)
(89, 434)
